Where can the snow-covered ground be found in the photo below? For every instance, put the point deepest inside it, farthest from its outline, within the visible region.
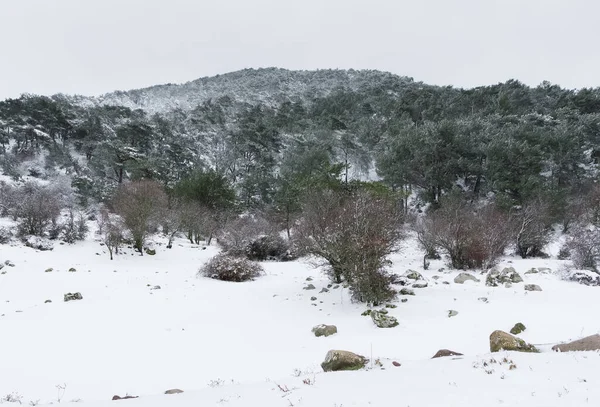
(250, 344)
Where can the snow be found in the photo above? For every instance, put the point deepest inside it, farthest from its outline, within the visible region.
(250, 344)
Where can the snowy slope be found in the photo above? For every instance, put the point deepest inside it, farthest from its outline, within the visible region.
(250, 344)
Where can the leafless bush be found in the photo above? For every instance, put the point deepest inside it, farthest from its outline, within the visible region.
(533, 231)
(140, 204)
(472, 238)
(584, 246)
(111, 228)
(37, 207)
(75, 228)
(239, 232)
(199, 222)
(5, 235)
(229, 268)
(353, 233)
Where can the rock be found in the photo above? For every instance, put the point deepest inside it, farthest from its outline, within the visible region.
(483, 299)
(584, 277)
(150, 252)
(391, 306)
(532, 287)
(173, 391)
(413, 275)
(337, 360)
(49, 270)
(452, 313)
(309, 287)
(397, 364)
(507, 285)
(156, 287)
(588, 343)
(124, 398)
(500, 340)
(323, 290)
(335, 287)
(532, 271)
(419, 285)
(39, 243)
(518, 328)
(309, 279)
(446, 282)
(382, 320)
(73, 297)
(324, 330)
(407, 291)
(507, 276)
(445, 352)
(544, 270)
(464, 277)
(72, 270)
(47, 301)
(9, 263)
(313, 298)
(436, 277)
(404, 300)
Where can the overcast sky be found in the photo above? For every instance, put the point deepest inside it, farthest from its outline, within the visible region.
(92, 47)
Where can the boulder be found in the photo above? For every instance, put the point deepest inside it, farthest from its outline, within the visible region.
(444, 353)
(483, 299)
(407, 291)
(173, 391)
(508, 275)
(589, 343)
(518, 328)
(464, 277)
(47, 301)
(382, 320)
(452, 313)
(323, 290)
(72, 270)
(532, 271)
(413, 275)
(150, 252)
(115, 397)
(309, 287)
(73, 296)
(532, 287)
(584, 277)
(39, 243)
(422, 284)
(500, 340)
(337, 360)
(324, 330)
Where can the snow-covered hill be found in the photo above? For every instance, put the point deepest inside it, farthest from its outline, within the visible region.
(270, 86)
(250, 344)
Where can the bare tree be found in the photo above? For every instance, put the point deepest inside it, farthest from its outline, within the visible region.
(584, 246)
(140, 204)
(532, 229)
(37, 207)
(111, 228)
(353, 233)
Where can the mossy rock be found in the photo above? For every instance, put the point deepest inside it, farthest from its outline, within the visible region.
(338, 360)
(324, 330)
(500, 340)
(150, 252)
(518, 328)
(382, 320)
(407, 291)
(507, 276)
(413, 275)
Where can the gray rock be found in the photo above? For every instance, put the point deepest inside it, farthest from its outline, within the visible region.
(419, 285)
(532, 287)
(309, 279)
(47, 301)
(324, 330)
(589, 343)
(382, 320)
(313, 298)
(532, 271)
(49, 270)
(309, 287)
(508, 275)
(173, 391)
(72, 297)
(337, 360)
(464, 277)
(483, 299)
(323, 290)
(404, 300)
(413, 275)
(9, 263)
(72, 270)
(500, 340)
(452, 313)
(406, 291)
(445, 352)
(156, 287)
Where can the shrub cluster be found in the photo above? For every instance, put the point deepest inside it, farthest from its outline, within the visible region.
(225, 267)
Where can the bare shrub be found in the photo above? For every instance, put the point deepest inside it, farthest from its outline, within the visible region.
(584, 247)
(37, 207)
(353, 232)
(269, 247)
(75, 228)
(239, 232)
(470, 238)
(5, 235)
(111, 228)
(140, 204)
(229, 268)
(533, 229)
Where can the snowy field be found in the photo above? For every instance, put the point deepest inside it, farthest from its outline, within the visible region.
(250, 344)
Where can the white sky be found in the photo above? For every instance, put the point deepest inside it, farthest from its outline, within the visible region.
(96, 46)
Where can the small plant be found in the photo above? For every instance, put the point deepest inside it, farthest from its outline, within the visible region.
(12, 398)
(228, 268)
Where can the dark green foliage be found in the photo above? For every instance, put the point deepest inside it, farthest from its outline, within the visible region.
(206, 188)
